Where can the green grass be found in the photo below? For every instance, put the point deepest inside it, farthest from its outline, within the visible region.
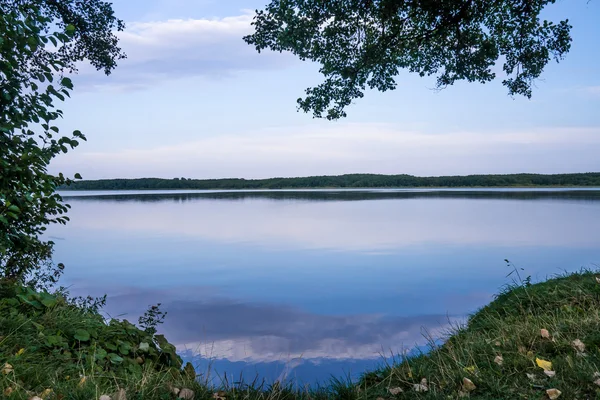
(510, 327)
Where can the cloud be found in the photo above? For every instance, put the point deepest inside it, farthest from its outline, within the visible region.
(182, 48)
(592, 90)
(237, 331)
(349, 148)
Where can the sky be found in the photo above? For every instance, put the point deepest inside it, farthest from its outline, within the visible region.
(194, 100)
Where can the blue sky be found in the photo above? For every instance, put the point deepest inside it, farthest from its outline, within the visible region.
(194, 100)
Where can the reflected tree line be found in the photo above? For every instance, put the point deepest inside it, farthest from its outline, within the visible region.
(341, 195)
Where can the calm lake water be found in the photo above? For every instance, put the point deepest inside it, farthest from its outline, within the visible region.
(307, 284)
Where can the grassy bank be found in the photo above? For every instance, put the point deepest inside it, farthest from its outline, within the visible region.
(532, 342)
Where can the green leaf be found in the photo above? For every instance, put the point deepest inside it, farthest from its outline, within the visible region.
(100, 353)
(66, 82)
(124, 348)
(48, 300)
(111, 346)
(115, 358)
(144, 347)
(82, 335)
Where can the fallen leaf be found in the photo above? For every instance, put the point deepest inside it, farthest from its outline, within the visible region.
(522, 349)
(21, 351)
(553, 394)
(596, 374)
(545, 334)
(471, 369)
(7, 369)
(550, 374)
(578, 345)
(187, 394)
(395, 391)
(175, 391)
(545, 365)
(8, 391)
(218, 395)
(597, 382)
(119, 395)
(34, 398)
(82, 381)
(421, 387)
(499, 360)
(498, 344)
(105, 397)
(531, 376)
(468, 385)
(46, 393)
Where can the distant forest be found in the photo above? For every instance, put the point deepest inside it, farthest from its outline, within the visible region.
(344, 181)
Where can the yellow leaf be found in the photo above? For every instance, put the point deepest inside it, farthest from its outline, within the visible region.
(545, 365)
(471, 369)
(82, 381)
(46, 393)
(21, 351)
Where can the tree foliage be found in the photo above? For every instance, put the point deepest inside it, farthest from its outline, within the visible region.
(346, 181)
(365, 43)
(41, 41)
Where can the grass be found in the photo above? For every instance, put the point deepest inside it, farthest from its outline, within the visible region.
(498, 354)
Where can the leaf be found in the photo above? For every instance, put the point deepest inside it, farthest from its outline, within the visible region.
(468, 385)
(578, 345)
(48, 300)
(66, 82)
(395, 391)
(82, 335)
(111, 346)
(20, 352)
(499, 360)
(115, 358)
(144, 347)
(544, 333)
(553, 394)
(545, 365)
(7, 369)
(100, 353)
(471, 369)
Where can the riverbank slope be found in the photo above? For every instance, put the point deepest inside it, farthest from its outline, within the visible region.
(533, 341)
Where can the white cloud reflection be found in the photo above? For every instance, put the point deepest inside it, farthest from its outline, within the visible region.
(350, 225)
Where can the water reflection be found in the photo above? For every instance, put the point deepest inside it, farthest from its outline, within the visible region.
(305, 284)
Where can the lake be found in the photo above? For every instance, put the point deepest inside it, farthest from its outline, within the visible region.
(303, 285)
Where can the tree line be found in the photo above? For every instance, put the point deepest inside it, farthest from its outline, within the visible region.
(344, 181)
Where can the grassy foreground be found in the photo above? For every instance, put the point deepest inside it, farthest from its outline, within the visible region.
(533, 342)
